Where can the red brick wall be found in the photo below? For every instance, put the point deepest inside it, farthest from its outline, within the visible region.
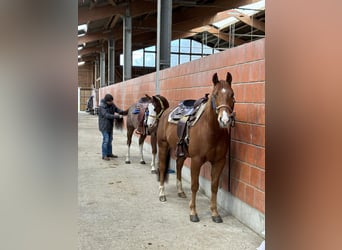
(191, 81)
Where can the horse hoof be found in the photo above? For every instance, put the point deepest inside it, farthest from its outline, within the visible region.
(128, 162)
(194, 218)
(182, 195)
(142, 162)
(153, 171)
(217, 219)
(162, 198)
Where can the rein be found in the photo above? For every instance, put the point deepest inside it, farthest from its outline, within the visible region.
(232, 124)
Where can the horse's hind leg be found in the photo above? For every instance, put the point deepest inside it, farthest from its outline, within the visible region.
(154, 152)
(163, 158)
(129, 142)
(141, 148)
(216, 171)
(180, 191)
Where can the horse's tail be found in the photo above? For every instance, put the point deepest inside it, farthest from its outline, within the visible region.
(118, 123)
(167, 167)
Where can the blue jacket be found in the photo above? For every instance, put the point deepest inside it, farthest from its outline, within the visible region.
(107, 116)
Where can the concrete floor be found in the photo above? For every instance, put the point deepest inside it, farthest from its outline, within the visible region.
(119, 206)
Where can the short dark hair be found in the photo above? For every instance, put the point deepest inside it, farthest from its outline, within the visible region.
(108, 98)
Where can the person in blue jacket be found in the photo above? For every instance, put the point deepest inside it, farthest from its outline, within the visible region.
(107, 110)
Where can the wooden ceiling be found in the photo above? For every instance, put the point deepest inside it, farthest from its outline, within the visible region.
(190, 19)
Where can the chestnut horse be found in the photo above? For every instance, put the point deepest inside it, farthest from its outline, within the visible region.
(208, 141)
(155, 108)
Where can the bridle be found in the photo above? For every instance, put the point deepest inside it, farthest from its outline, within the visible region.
(230, 109)
(156, 117)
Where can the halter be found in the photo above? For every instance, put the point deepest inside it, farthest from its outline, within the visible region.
(217, 110)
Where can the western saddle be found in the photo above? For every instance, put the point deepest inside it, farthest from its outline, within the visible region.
(186, 115)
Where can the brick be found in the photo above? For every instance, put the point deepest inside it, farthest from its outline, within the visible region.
(262, 181)
(260, 157)
(249, 195)
(239, 92)
(240, 171)
(238, 189)
(242, 132)
(245, 152)
(258, 135)
(259, 200)
(255, 179)
(260, 114)
(255, 92)
(255, 51)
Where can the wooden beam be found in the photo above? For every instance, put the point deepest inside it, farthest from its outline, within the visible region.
(249, 20)
(91, 50)
(115, 21)
(137, 9)
(217, 33)
(186, 20)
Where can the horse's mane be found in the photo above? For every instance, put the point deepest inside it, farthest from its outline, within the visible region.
(164, 100)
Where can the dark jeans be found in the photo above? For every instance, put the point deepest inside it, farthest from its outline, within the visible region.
(107, 143)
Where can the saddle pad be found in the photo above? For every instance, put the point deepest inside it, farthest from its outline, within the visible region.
(197, 115)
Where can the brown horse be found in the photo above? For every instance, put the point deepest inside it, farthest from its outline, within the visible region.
(208, 141)
(153, 108)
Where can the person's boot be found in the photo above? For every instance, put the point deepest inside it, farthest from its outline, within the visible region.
(106, 158)
(112, 156)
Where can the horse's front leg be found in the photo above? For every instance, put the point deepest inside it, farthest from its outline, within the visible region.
(141, 148)
(129, 142)
(216, 171)
(154, 153)
(196, 164)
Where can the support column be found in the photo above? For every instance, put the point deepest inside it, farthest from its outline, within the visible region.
(127, 45)
(165, 33)
(111, 61)
(102, 69)
(164, 25)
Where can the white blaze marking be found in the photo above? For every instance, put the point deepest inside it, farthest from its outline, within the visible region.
(151, 115)
(223, 90)
(225, 117)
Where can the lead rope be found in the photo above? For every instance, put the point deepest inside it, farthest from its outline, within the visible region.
(232, 124)
(229, 161)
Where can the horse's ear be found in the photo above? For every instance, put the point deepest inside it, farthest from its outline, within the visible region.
(215, 79)
(229, 78)
(149, 97)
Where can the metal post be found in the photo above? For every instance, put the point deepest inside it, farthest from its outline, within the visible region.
(111, 61)
(158, 48)
(127, 45)
(165, 33)
(102, 69)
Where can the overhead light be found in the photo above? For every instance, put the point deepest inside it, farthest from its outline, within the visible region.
(82, 29)
(79, 56)
(80, 47)
(81, 63)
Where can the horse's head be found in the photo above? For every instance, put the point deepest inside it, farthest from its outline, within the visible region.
(156, 108)
(222, 100)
